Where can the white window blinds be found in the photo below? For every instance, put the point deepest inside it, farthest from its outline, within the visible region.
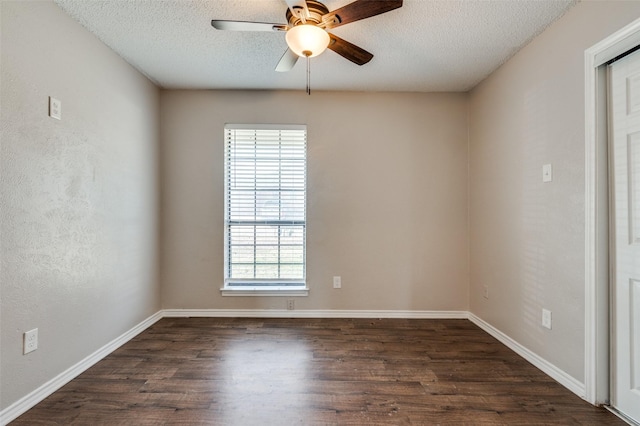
(265, 205)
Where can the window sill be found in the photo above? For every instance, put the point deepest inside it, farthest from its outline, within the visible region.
(265, 291)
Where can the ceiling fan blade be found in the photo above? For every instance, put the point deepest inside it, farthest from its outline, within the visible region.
(287, 61)
(298, 8)
(359, 9)
(219, 24)
(349, 51)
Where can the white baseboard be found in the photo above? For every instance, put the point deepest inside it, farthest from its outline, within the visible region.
(548, 368)
(33, 398)
(282, 313)
(30, 400)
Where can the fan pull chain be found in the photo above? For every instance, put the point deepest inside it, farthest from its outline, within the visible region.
(308, 55)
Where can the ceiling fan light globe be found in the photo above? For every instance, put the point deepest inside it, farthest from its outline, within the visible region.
(306, 38)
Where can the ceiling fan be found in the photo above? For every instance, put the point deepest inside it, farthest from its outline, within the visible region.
(307, 28)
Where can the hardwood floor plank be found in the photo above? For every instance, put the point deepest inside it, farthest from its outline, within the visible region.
(256, 371)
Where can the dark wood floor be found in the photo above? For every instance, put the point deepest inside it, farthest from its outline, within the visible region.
(185, 371)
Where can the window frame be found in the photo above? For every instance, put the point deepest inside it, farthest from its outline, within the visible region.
(262, 287)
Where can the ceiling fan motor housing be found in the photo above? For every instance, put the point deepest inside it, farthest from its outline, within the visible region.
(316, 11)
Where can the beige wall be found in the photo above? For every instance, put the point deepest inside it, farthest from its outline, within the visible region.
(78, 203)
(387, 197)
(391, 180)
(526, 237)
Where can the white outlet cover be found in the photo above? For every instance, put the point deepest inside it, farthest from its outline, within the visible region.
(337, 282)
(30, 341)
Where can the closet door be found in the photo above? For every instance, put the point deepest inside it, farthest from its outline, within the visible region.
(624, 102)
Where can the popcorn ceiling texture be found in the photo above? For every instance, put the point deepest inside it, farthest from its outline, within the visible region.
(424, 46)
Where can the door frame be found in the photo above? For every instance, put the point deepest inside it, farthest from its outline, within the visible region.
(596, 375)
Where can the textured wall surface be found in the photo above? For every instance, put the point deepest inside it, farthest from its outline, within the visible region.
(387, 197)
(388, 177)
(78, 199)
(526, 237)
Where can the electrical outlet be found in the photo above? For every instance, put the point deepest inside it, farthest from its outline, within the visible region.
(546, 318)
(337, 282)
(291, 304)
(485, 292)
(30, 341)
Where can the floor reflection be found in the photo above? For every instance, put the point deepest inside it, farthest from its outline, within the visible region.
(262, 376)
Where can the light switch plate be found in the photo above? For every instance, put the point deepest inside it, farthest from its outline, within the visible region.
(546, 318)
(547, 173)
(55, 108)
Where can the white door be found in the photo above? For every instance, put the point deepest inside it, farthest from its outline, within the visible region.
(625, 174)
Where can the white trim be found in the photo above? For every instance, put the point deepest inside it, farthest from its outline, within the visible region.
(30, 400)
(545, 366)
(263, 126)
(590, 227)
(264, 291)
(595, 56)
(616, 44)
(282, 313)
(21, 406)
(622, 416)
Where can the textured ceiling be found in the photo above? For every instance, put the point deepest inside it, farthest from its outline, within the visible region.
(424, 46)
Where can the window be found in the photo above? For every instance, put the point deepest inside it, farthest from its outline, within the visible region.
(265, 207)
